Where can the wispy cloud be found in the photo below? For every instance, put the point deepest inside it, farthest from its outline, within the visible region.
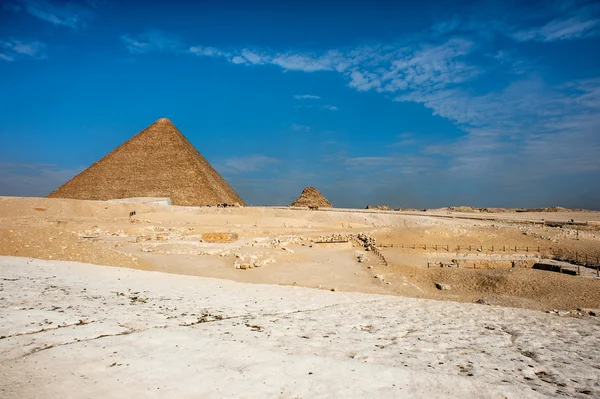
(300, 128)
(404, 140)
(527, 131)
(154, 40)
(12, 49)
(71, 15)
(385, 167)
(32, 180)
(326, 107)
(412, 65)
(561, 29)
(569, 20)
(301, 97)
(306, 97)
(208, 52)
(518, 126)
(245, 164)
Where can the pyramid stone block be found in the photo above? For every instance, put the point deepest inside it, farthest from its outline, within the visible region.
(312, 197)
(157, 162)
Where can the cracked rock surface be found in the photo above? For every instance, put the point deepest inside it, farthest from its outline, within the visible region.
(77, 330)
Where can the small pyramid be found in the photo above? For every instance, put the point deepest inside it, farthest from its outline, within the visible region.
(157, 162)
(312, 197)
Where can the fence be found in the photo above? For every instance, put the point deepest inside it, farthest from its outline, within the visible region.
(370, 247)
(469, 248)
(584, 260)
(574, 269)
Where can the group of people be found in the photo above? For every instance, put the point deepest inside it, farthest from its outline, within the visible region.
(132, 213)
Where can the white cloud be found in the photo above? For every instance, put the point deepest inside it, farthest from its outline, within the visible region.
(151, 41)
(405, 140)
(13, 49)
(253, 58)
(71, 15)
(207, 51)
(301, 62)
(525, 132)
(327, 107)
(561, 29)
(437, 71)
(244, 56)
(306, 97)
(412, 65)
(6, 57)
(364, 81)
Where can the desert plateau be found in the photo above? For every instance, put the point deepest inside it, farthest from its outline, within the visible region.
(233, 294)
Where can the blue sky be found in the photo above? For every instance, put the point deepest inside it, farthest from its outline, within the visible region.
(405, 103)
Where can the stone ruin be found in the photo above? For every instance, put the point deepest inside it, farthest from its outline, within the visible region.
(312, 198)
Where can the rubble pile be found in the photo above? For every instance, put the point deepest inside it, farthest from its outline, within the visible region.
(161, 234)
(98, 232)
(337, 237)
(367, 241)
(245, 262)
(277, 242)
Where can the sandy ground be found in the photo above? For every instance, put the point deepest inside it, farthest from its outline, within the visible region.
(168, 239)
(78, 330)
(280, 240)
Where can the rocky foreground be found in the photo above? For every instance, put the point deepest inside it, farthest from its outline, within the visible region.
(77, 330)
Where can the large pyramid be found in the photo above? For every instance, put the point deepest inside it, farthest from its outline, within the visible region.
(157, 162)
(312, 197)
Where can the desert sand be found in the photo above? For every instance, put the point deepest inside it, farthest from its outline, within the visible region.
(239, 302)
(282, 242)
(79, 330)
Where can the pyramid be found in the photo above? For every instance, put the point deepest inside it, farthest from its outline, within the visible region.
(157, 162)
(312, 197)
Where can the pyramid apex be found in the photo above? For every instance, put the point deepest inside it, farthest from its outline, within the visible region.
(159, 161)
